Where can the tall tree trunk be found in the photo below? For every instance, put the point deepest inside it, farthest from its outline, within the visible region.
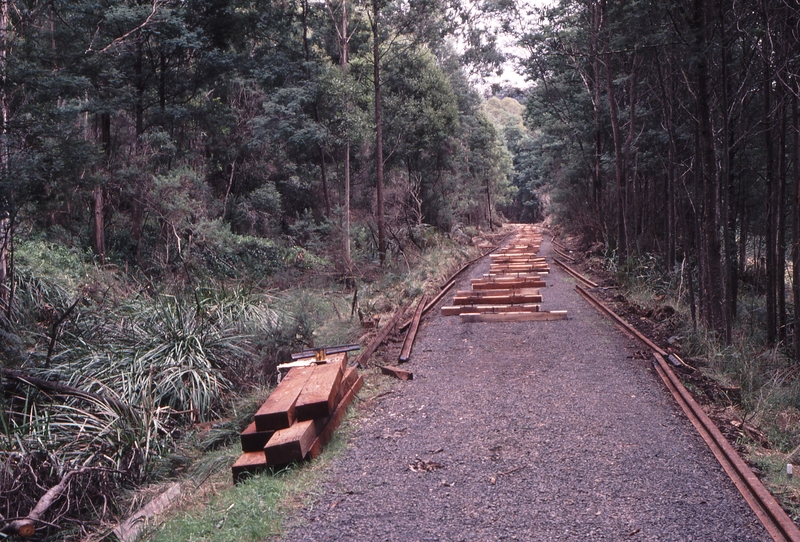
(138, 67)
(98, 210)
(619, 164)
(345, 46)
(729, 213)
(5, 215)
(672, 153)
(772, 327)
(5, 24)
(631, 176)
(715, 298)
(796, 223)
(5, 251)
(376, 58)
(780, 237)
(322, 165)
(597, 181)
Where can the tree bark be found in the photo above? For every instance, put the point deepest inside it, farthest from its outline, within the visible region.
(769, 178)
(345, 47)
(376, 58)
(780, 237)
(98, 214)
(597, 181)
(796, 224)
(715, 298)
(619, 163)
(5, 250)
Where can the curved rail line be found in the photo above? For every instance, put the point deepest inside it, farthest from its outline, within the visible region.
(775, 520)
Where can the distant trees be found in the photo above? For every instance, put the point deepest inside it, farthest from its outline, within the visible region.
(677, 121)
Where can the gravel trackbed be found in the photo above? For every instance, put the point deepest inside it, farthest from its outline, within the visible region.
(525, 431)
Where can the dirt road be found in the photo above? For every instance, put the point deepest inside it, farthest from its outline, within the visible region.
(526, 431)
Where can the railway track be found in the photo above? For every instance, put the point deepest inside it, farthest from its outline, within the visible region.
(500, 296)
(775, 520)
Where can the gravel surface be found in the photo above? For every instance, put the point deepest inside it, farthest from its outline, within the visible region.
(526, 431)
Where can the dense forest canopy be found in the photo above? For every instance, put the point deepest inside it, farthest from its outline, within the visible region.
(154, 131)
(670, 129)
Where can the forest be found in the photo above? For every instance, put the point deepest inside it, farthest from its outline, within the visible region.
(192, 190)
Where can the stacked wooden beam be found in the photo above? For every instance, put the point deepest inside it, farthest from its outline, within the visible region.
(510, 291)
(299, 417)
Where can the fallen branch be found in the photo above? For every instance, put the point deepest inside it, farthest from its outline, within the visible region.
(64, 389)
(26, 527)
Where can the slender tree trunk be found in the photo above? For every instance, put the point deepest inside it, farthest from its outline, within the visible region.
(5, 250)
(98, 210)
(5, 23)
(6, 230)
(772, 326)
(630, 177)
(669, 123)
(138, 67)
(489, 204)
(345, 42)
(715, 296)
(729, 213)
(619, 164)
(322, 165)
(780, 237)
(376, 58)
(597, 22)
(796, 224)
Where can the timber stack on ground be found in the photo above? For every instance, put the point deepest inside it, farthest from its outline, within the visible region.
(509, 292)
(299, 417)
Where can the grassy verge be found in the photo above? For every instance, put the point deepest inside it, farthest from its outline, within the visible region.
(262, 506)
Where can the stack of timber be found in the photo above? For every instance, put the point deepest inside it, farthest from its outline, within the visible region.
(510, 291)
(299, 417)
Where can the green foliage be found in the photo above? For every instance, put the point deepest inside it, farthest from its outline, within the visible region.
(249, 511)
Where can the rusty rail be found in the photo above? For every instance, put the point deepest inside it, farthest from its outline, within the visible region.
(408, 343)
(590, 283)
(775, 520)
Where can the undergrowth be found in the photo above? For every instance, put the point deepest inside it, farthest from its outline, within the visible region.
(133, 381)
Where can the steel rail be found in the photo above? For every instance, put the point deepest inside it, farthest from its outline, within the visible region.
(775, 520)
(590, 283)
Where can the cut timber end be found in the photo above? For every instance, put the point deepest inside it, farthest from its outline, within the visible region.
(277, 412)
(514, 316)
(291, 444)
(247, 464)
(326, 433)
(254, 440)
(318, 395)
(397, 372)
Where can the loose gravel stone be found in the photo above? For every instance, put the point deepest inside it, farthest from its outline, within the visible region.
(526, 431)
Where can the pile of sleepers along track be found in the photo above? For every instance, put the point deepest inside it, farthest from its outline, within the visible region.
(299, 417)
(509, 292)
